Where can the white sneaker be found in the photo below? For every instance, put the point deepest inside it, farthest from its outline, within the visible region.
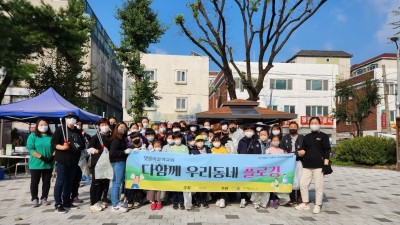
(302, 206)
(103, 204)
(119, 209)
(217, 203)
(122, 197)
(243, 203)
(222, 203)
(317, 209)
(95, 208)
(256, 205)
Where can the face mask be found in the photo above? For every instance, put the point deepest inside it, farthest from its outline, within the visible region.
(193, 129)
(276, 132)
(122, 131)
(207, 127)
(156, 132)
(104, 129)
(162, 130)
(176, 130)
(43, 129)
(191, 143)
(217, 144)
(150, 138)
(136, 141)
(145, 125)
(178, 142)
(157, 149)
(71, 121)
(170, 141)
(112, 126)
(249, 134)
(232, 130)
(200, 144)
(78, 127)
(263, 138)
(292, 131)
(134, 130)
(218, 134)
(258, 128)
(314, 127)
(224, 127)
(275, 143)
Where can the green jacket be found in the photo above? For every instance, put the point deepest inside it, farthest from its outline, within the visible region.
(41, 145)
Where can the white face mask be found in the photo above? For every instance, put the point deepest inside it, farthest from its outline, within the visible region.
(78, 127)
(104, 129)
(170, 141)
(207, 127)
(276, 132)
(178, 142)
(224, 127)
(217, 144)
(162, 130)
(193, 129)
(258, 128)
(176, 130)
(43, 129)
(134, 130)
(275, 143)
(314, 127)
(249, 134)
(156, 131)
(70, 121)
(263, 138)
(145, 125)
(157, 149)
(191, 143)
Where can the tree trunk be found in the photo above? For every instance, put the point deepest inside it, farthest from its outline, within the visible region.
(230, 83)
(4, 85)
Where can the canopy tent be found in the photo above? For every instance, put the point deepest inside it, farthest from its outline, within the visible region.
(243, 112)
(49, 105)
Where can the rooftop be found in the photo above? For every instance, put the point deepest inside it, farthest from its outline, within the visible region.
(321, 53)
(376, 58)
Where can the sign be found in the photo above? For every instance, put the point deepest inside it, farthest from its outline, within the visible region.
(383, 121)
(187, 117)
(210, 172)
(325, 120)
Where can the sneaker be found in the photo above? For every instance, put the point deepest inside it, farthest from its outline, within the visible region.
(317, 209)
(35, 203)
(159, 206)
(60, 209)
(103, 205)
(96, 207)
(276, 203)
(130, 206)
(243, 203)
(222, 203)
(153, 206)
(136, 205)
(256, 205)
(119, 209)
(302, 206)
(204, 205)
(122, 197)
(271, 203)
(299, 200)
(181, 206)
(217, 203)
(175, 206)
(71, 206)
(45, 202)
(77, 200)
(106, 200)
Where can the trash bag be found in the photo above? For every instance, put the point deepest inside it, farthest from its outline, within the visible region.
(83, 164)
(187, 200)
(297, 175)
(103, 168)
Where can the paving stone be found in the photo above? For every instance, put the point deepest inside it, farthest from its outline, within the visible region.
(353, 207)
(76, 217)
(26, 205)
(155, 217)
(398, 213)
(370, 202)
(1, 217)
(262, 211)
(396, 194)
(110, 224)
(307, 218)
(383, 220)
(346, 194)
(194, 210)
(232, 217)
(194, 224)
(331, 212)
(48, 210)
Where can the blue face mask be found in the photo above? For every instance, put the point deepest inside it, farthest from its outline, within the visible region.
(150, 138)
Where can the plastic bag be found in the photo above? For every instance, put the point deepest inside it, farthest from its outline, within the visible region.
(83, 164)
(297, 175)
(103, 168)
(187, 198)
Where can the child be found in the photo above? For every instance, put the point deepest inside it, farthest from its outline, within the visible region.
(274, 149)
(155, 196)
(170, 143)
(200, 148)
(178, 148)
(219, 149)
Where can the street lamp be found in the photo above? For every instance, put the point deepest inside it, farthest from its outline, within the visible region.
(395, 39)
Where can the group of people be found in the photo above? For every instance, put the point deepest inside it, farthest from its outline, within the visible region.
(68, 145)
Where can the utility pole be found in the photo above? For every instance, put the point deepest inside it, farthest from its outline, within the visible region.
(270, 100)
(385, 93)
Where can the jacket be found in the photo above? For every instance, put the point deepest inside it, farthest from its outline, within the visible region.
(286, 144)
(71, 156)
(95, 143)
(255, 147)
(117, 150)
(317, 148)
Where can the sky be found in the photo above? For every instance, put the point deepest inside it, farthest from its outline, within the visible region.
(359, 27)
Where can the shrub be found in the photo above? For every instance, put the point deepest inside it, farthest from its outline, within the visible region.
(367, 150)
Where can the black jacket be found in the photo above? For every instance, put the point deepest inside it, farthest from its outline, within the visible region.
(313, 157)
(195, 151)
(71, 156)
(243, 148)
(117, 150)
(286, 144)
(95, 143)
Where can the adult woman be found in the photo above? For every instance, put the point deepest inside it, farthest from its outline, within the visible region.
(118, 155)
(41, 161)
(315, 154)
(96, 149)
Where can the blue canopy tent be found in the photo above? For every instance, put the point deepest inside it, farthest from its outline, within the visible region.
(49, 105)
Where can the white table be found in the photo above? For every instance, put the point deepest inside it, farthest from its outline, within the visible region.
(24, 157)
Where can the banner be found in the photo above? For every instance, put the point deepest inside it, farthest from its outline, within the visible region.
(210, 172)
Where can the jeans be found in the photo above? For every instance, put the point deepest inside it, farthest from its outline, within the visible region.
(63, 185)
(119, 170)
(36, 174)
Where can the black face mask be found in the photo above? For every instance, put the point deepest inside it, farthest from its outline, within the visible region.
(136, 141)
(232, 130)
(218, 134)
(112, 127)
(292, 131)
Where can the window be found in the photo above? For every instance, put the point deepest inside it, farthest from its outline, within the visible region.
(392, 115)
(150, 108)
(275, 107)
(392, 89)
(18, 98)
(317, 111)
(181, 76)
(279, 84)
(289, 108)
(181, 104)
(317, 85)
(151, 74)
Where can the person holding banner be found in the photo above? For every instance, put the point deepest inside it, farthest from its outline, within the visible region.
(95, 148)
(170, 142)
(153, 196)
(315, 155)
(248, 145)
(274, 149)
(118, 155)
(218, 148)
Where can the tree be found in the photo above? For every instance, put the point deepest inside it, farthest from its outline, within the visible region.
(355, 104)
(396, 24)
(23, 36)
(63, 67)
(268, 23)
(140, 28)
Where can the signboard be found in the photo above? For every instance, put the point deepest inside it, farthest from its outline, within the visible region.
(325, 120)
(383, 121)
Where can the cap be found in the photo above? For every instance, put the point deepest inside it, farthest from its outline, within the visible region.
(199, 137)
(70, 114)
(223, 122)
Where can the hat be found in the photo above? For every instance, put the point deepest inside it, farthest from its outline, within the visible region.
(70, 114)
(260, 124)
(223, 122)
(199, 137)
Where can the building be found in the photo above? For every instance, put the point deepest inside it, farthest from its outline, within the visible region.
(372, 69)
(183, 85)
(107, 71)
(340, 58)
